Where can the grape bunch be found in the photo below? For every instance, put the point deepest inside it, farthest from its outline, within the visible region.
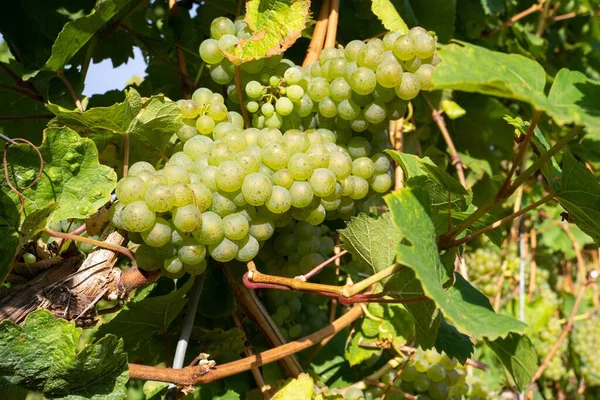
(485, 266)
(586, 342)
(544, 342)
(293, 251)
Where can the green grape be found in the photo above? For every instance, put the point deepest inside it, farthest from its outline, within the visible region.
(217, 111)
(228, 43)
(195, 269)
(423, 74)
(208, 177)
(296, 141)
(337, 68)
(436, 372)
(187, 218)
(295, 93)
(261, 229)
(150, 258)
(269, 135)
(252, 106)
(202, 196)
(389, 74)
(295, 331)
(409, 373)
(235, 226)
(375, 112)
(139, 167)
(175, 174)
(301, 194)
(328, 108)
(137, 217)
(390, 39)
(381, 183)
(247, 162)
(300, 166)
(173, 265)
(361, 188)
(115, 214)
(317, 216)
(424, 45)
(186, 132)
(182, 195)
(236, 119)
(363, 167)
(181, 160)
(304, 106)
(370, 56)
(340, 164)
(197, 147)
(130, 189)
(210, 230)
(209, 51)
(319, 156)
(222, 205)
(438, 390)
(159, 235)
(219, 153)
(359, 147)
(363, 81)
(318, 89)
(421, 383)
(222, 73)
(352, 49)
(275, 155)
(29, 258)
(381, 163)
(340, 89)
(293, 75)
(254, 89)
(322, 182)
(257, 189)
(248, 248)
(221, 26)
(224, 251)
(348, 109)
(412, 65)
(229, 176)
(404, 48)
(192, 252)
(280, 200)
(284, 106)
(283, 178)
(409, 88)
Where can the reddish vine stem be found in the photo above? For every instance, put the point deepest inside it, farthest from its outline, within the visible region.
(320, 267)
(563, 335)
(24, 92)
(74, 95)
(332, 23)
(7, 176)
(318, 37)
(116, 248)
(534, 8)
(197, 375)
(240, 94)
(441, 124)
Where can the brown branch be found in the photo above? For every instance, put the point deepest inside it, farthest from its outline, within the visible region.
(543, 18)
(534, 8)
(456, 161)
(563, 17)
(24, 92)
(17, 79)
(332, 23)
(563, 334)
(74, 95)
(258, 378)
(240, 93)
(318, 37)
(196, 375)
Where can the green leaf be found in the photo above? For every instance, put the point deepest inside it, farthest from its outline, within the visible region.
(356, 354)
(42, 356)
(388, 15)
(149, 122)
(72, 176)
(497, 74)
(276, 25)
(492, 6)
(453, 343)
(441, 186)
(372, 241)
(452, 109)
(436, 15)
(518, 356)
(9, 238)
(217, 299)
(143, 319)
(574, 98)
(300, 388)
(228, 395)
(579, 194)
(465, 307)
(77, 33)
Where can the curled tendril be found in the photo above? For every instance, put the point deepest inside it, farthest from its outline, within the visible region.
(6, 175)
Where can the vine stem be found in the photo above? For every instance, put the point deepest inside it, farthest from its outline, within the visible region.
(504, 220)
(258, 378)
(318, 37)
(116, 248)
(543, 17)
(320, 267)
(24, 92)
(197, 375)
(186, 332)
(534, 8)
(563, 334)
(126, 146)
(332, 23)
(74, 95)
(441, 124)
(240, 94)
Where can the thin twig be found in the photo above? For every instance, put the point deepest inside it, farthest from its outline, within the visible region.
(318, 37)
(534, 8)
(184, 338)
(24, 92)
(74, 95)
(563, 17)
(194, 376)
(258, 378)
(126, 146)
(320, 267)
(332, 23)
(456, 161)
(543, 17)
(240, 93)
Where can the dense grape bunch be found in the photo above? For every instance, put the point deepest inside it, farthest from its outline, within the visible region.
(586, 342)
(544, 342)
(486, 266)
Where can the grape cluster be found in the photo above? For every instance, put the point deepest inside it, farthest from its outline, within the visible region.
(225, 192)
(485, 266)
(586, 342)
(359, 87)
(544, 342)
(293, 251)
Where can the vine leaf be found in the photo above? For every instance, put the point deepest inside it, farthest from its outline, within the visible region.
(297, 389)
(518, 356)
(373, 241)
(9, 238)
(149, 122)
(356, 354)
(389, 17)
(440, 15)
(441, 186)
(453, 343)
(579, 194)
(276, 25)
(77, 33)
(72, 176)
(141, 320)
(465, 307)
(42, 356)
